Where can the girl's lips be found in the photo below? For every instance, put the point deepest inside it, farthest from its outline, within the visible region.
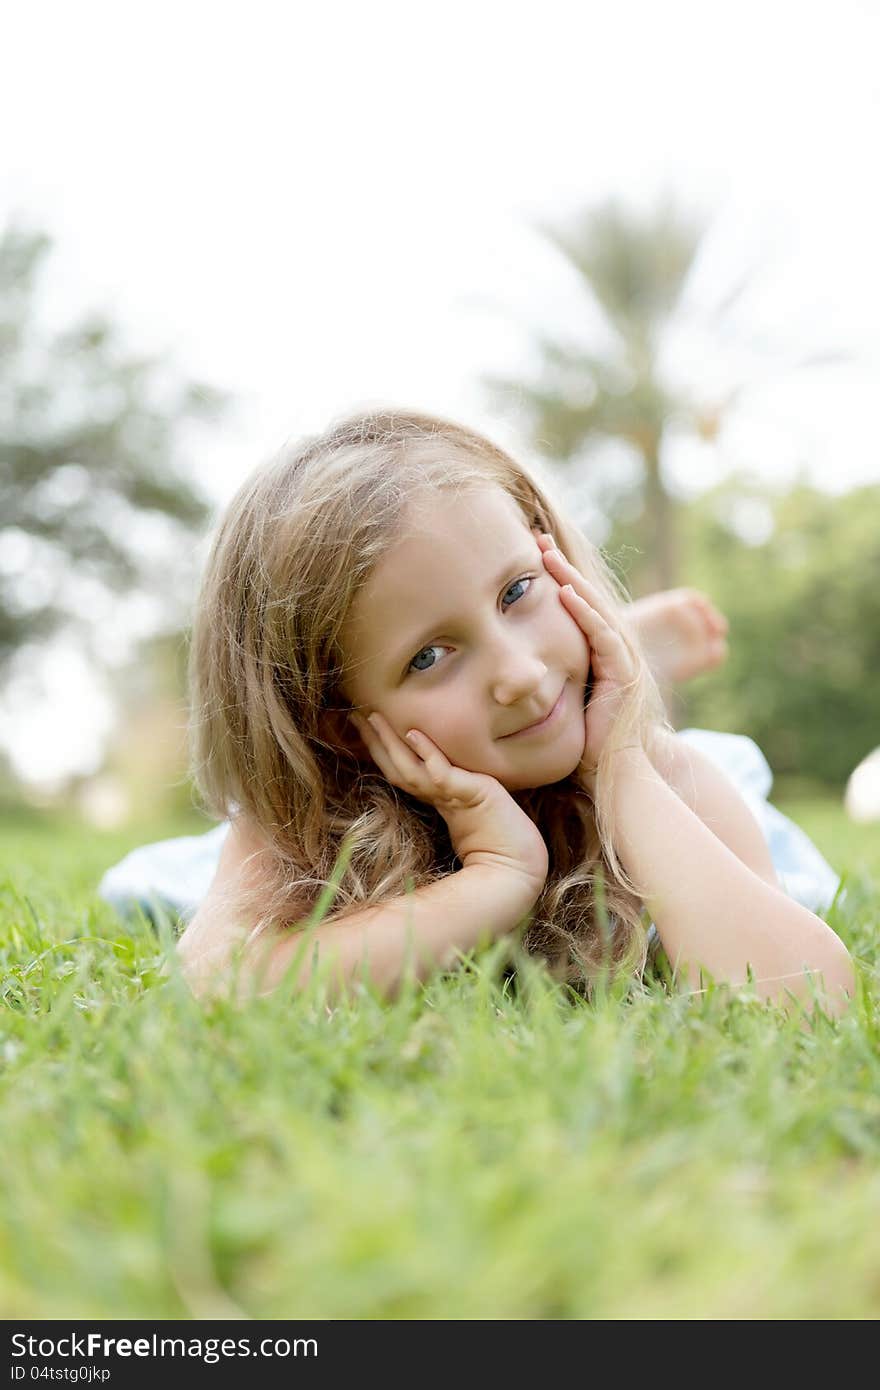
(552, 718)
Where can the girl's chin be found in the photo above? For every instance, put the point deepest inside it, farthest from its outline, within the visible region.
(523, 782)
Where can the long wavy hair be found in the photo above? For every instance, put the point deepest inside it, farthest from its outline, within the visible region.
(268, 720)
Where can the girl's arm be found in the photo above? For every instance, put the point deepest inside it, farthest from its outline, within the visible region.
(710, 908)
(417, 933)
(711, 893)
(705, 789)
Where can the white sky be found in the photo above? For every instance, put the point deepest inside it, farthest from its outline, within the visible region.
(319, 210)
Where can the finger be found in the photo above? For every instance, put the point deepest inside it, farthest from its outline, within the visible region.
(388, 738)
(399, 764)
(412, 756)
(422, 766)
(430, 758)
(386, 751)
(370, 739)
(565, 573)
(608, 648)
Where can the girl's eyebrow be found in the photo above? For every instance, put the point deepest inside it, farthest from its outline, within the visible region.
(417, 641)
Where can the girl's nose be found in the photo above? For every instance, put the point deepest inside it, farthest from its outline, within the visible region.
(517, 677)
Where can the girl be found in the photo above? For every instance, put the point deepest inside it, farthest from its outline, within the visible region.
(407, 665)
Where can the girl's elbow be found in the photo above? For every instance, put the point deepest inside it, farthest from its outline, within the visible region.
(829, 972)
(208, 973)
(832, 986)
(843, 990)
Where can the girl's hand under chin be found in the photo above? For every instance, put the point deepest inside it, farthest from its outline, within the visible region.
(613, 668)
(486, 825)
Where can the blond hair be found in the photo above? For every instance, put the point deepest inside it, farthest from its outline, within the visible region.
(294, 547)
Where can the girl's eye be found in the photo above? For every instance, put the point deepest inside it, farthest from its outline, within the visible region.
(412, 666)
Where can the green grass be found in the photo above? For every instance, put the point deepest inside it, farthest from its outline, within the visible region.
(466, 1152)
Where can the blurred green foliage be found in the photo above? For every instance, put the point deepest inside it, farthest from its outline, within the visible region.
(98, 504)
(798, 576)
(97, 501)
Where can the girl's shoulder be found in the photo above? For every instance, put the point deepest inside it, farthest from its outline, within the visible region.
(247, 835)
(241, 856)
(214, 929)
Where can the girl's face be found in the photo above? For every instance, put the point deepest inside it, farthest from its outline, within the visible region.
(460, 633)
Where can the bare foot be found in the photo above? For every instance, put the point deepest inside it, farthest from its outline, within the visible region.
(682, 633)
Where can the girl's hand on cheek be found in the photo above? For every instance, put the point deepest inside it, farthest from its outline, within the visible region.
(486, 825)
(613, 667)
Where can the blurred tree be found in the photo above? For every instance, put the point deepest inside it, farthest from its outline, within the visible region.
(148, 753)
(637, 269)
(91, 494)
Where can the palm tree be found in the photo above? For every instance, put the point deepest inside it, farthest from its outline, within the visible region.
(636, 268)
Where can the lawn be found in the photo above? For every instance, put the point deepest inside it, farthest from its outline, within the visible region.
(467, 1152)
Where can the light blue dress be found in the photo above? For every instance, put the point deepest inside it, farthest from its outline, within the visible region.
(173, 876)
